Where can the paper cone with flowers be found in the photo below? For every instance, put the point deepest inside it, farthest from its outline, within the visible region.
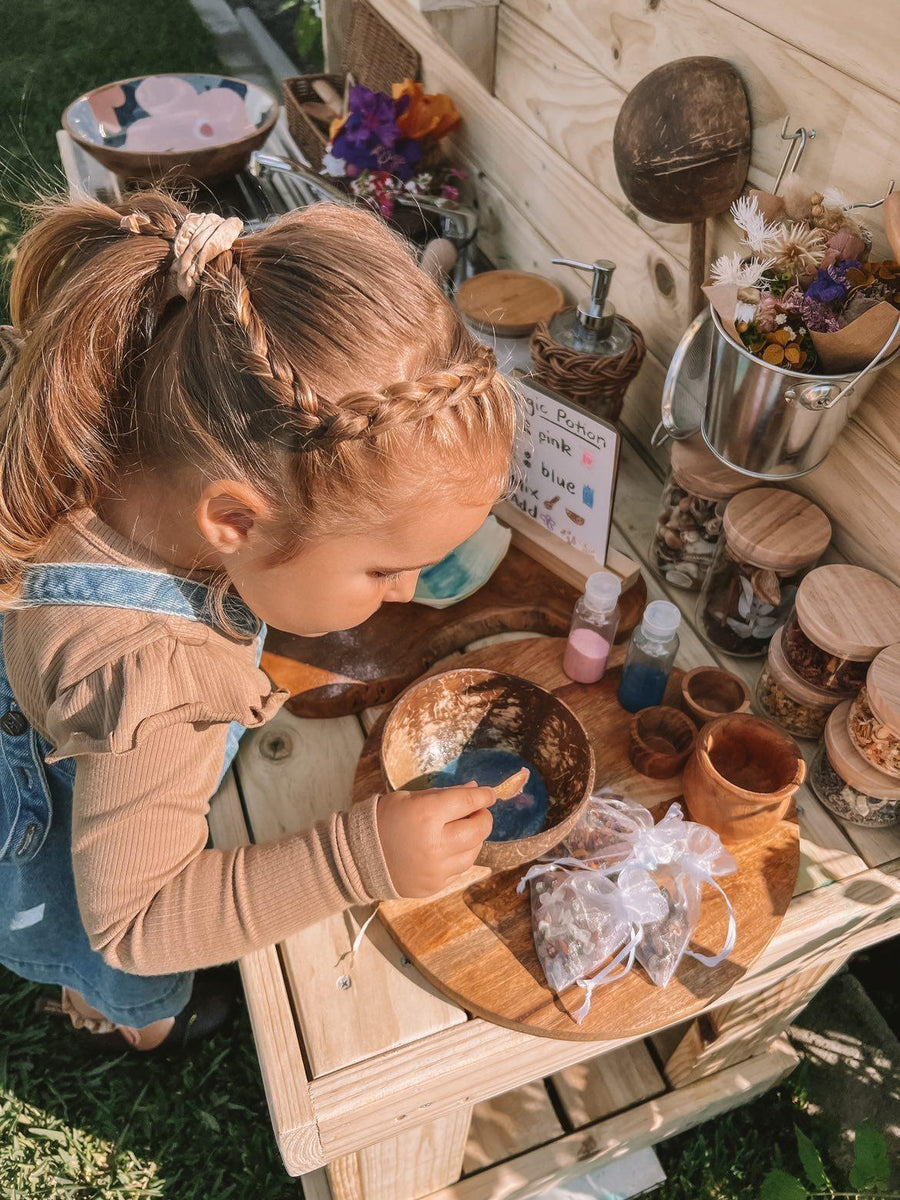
(802, 292)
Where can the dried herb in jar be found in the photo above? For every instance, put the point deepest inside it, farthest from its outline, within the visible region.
(802, 720)
(875, 741)
(846, 801)
(817, 666)
(846, 783)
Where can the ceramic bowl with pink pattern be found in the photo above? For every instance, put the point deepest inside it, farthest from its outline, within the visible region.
(173, 128)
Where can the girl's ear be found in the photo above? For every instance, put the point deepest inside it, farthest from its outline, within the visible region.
(228, 512)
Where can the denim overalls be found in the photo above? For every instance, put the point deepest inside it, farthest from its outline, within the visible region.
(41, 934)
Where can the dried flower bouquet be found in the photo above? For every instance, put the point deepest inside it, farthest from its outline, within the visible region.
(801, 293)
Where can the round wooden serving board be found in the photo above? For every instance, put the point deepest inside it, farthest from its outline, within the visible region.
(474, 941)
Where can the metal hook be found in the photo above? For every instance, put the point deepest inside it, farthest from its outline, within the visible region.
(798, 140)
(874, 203)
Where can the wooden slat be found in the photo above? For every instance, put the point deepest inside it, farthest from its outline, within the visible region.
(277, 1043)
(469, 31)
(573, 108)
(859, 486)
(864, 44)
(532, 1174)
(551, 194)
(510, 1124)
(566, 94)
(294, 772)
(601, 1087)
(364, 1103)
(739, 1030)
(855, 124)
(414, 1164)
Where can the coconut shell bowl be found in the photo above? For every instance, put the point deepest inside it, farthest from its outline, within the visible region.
(445, 716)
(173, 128)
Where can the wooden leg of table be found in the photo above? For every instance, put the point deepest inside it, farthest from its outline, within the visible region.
(735, 1032)
(413, 1164)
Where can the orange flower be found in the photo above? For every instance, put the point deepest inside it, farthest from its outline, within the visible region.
(428, 117)
(336, 126)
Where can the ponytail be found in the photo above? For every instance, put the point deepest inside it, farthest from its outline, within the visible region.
(85, 297)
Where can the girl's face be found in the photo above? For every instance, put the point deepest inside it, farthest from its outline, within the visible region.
(340, 581)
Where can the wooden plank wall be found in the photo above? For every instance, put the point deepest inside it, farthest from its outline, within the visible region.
(540, 145)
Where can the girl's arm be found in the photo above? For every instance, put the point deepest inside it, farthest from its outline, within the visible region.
(155, 900)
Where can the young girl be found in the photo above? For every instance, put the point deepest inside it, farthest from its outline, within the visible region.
(202, 432)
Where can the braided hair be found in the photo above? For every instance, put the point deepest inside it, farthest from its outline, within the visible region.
(313, 360)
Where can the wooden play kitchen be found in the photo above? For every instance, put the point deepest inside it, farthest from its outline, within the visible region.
(427, 1057)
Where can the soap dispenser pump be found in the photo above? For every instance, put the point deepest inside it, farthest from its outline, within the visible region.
(587, 353)
(592, 327)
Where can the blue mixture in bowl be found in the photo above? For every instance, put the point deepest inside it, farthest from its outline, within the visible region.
(519, 817)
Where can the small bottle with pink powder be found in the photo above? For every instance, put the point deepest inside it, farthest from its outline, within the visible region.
(593, 631)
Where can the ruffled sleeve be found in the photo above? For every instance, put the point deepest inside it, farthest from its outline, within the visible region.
(158, 681)
(147, 728)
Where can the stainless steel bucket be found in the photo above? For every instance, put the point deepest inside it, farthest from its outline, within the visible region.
(773, 423)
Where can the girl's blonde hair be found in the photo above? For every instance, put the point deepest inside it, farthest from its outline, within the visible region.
(315, 361)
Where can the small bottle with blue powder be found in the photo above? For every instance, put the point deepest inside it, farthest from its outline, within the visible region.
(651, 654)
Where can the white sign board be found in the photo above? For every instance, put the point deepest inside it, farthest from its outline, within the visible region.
(567, 461)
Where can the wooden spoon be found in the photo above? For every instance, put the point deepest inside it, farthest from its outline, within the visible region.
(512, 785)
(682, 148)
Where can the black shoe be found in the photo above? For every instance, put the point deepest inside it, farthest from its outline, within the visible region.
(209, 1009)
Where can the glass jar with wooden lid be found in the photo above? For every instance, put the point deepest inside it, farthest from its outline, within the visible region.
(789, 701)
(874, 718)
(502, 309)
(843, 616)
(690, 513)
(846, 783)
(771, 538)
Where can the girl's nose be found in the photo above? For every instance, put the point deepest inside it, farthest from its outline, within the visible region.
(404, 589)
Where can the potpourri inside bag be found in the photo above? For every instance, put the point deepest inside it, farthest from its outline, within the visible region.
(622, 889)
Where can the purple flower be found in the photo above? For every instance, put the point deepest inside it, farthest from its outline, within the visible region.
(817, 317)
(825, 289)
(370, 139)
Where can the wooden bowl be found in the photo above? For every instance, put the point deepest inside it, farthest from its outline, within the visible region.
(174, 128)
(710, 692)
(441, 716)
(742, 776)
(660, 740)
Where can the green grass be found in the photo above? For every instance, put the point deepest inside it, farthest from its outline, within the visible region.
(98, 1129)
(53, 50)
(728, 1158)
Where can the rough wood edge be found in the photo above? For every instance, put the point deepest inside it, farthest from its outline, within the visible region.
(271, 1017)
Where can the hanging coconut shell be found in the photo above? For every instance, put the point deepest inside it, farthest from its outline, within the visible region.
(682, 140)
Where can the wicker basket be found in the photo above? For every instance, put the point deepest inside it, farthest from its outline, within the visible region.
(596, 383)
(375, 55)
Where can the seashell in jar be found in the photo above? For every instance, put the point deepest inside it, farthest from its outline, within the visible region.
(680, 577)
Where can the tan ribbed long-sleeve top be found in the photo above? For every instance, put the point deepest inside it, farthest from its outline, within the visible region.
(143, 703)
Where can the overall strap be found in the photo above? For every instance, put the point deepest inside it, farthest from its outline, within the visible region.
(105, 585)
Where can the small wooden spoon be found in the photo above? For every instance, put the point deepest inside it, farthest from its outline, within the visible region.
(512, 785)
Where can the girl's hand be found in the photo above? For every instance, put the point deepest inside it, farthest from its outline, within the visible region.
(430, 837)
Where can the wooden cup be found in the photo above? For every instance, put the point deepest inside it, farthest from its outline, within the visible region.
(661, 739)
(710, 692)
(742, 776)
